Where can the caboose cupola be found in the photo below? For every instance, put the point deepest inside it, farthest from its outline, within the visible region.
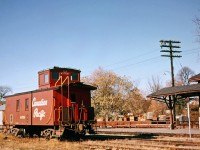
(49, 77)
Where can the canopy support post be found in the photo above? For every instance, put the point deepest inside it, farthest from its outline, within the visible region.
(171, 113)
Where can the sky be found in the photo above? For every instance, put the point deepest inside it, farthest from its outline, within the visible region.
(118, 35)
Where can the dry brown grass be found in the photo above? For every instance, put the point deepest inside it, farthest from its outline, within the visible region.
(14, 143)
(161, 142)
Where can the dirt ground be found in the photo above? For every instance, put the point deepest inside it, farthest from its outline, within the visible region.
(101, 142)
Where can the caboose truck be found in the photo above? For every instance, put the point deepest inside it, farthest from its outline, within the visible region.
(60, 107)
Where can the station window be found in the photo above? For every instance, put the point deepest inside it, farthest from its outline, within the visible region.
(55, 75)
(18, 105)
(26, 104)
(46, 78)
(74, 76)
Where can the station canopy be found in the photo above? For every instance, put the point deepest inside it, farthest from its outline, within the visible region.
(173, 95)
(178, 91)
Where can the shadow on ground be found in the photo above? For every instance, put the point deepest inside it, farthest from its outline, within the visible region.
(103, 137)
(113, 137)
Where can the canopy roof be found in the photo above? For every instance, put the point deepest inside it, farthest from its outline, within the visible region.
(183, 91)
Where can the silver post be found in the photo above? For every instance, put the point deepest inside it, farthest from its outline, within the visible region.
(188, 108)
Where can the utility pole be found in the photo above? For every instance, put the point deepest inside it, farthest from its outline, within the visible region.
(169, 44)
(171, 54)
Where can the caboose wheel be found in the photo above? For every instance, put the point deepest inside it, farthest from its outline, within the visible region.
(48, 133)
(48, 137)
(14, 131)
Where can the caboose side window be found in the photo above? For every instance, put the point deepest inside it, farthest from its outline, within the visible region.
(26, 104)
(18, 105)
(46, 78)
(55, 75)
(74, 76)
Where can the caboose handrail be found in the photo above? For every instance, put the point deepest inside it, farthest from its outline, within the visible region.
(61, 79)
(58, 80)
(65, 80)
(59, 108)
(50, 116)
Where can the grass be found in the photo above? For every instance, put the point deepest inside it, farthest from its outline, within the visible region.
(98, 142)
(15, 143)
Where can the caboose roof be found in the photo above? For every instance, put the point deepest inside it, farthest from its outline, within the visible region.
(61, 68)
(83, 85)
(76, 84)
(34, 91)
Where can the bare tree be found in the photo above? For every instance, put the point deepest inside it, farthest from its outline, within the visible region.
(197, 22)
(157, 107)
(4, 90)
(154, 84)
(184, 74)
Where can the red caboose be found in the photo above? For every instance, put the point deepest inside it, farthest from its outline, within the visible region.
(61, 106)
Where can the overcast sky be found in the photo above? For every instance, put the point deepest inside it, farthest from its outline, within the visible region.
(118, 35)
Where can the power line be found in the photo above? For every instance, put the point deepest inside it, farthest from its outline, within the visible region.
(189, 50)
(192, 52)
(146, 60)
(140, 62)
(128, 59)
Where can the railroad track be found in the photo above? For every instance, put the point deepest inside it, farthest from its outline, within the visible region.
(150, 134)
(120, 142)
(107, 142)
(141, 144)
